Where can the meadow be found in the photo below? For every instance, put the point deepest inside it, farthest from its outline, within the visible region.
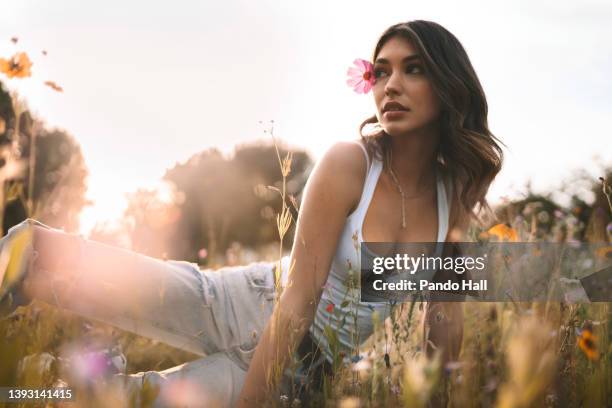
(514, 354)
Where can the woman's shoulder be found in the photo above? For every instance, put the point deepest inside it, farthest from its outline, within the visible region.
(348, 157)
(344, 163)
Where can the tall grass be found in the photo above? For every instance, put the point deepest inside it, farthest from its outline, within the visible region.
(514, 354)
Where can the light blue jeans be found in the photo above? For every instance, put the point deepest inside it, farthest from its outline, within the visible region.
(219, 314)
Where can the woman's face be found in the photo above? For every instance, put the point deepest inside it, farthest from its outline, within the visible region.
(400, 77)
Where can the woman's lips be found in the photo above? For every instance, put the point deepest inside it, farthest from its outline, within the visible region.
(394, 114)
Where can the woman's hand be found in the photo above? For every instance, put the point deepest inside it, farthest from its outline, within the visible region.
(332, 191)
(443, 329)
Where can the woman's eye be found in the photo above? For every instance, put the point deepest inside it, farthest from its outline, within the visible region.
(411, 69)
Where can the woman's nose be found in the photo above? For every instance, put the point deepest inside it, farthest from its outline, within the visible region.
(393, 85)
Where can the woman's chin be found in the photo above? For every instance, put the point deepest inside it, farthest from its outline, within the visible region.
(395, 130)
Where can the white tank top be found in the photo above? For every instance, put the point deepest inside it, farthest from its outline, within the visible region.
(349, 320)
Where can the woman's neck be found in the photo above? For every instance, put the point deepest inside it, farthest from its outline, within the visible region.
(414, 159)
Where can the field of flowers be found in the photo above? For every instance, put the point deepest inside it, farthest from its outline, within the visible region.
(514, 354)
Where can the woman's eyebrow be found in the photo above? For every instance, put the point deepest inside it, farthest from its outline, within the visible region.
(408, 58)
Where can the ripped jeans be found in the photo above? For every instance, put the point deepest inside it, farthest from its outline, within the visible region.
(219, 314)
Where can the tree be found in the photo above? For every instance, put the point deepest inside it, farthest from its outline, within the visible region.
(51, 185)
(220, 200)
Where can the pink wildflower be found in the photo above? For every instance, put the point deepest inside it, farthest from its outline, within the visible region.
(361, 78)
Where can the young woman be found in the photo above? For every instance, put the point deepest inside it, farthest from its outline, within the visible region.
(418, 179)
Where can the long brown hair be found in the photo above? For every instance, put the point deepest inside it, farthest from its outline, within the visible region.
(468, 151)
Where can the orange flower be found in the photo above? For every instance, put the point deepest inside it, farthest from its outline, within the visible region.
(503, 232)
(604, 252)
(17, 67)
(587, 343)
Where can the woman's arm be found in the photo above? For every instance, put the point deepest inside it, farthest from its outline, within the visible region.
(331, 192)
(443, 321)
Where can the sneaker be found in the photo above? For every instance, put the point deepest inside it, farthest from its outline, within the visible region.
(15, 256)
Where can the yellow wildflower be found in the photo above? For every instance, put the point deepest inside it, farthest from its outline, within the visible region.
(588, 343)
(18, 66)
(503, 232)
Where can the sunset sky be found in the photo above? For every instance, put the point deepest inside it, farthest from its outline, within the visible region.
(148, 84)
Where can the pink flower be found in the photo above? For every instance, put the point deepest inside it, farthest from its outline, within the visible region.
(361, 78)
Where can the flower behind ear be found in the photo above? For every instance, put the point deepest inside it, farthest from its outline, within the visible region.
(361, 78)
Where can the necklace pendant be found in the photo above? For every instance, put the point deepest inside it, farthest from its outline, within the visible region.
(403, 214)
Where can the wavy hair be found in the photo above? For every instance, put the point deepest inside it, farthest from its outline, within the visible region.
(468, 151)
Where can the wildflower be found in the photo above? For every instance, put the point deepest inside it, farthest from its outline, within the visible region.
(362, 77)
(330, 308)
(587, 342)
(504, 232)
(202, 253)
(54, 86)
(86, 365)
(604, 252)
(18, 66)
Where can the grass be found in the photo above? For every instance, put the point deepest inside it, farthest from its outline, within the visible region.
(530, 354)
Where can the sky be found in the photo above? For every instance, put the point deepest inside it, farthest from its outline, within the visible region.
(149, 84)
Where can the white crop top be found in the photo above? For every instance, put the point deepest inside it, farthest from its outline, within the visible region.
(349, 320)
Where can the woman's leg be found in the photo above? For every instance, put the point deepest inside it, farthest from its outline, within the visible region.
(243, 302)
(213, 381)
(203, 312)
(220, 314)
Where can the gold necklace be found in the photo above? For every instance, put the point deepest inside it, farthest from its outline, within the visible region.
(399, 188)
